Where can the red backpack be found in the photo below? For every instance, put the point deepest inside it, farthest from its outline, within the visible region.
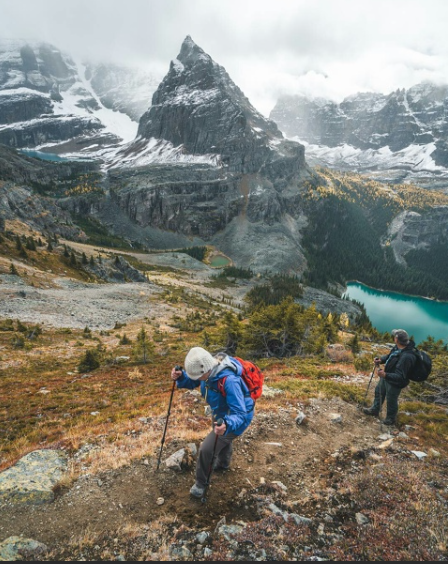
(253, 378)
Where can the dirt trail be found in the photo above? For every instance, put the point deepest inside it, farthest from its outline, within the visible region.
(274, 449)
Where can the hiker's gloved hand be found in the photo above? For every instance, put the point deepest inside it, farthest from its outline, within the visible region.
(220, 429)
(381, 373)
(377, 360)
(176, 373)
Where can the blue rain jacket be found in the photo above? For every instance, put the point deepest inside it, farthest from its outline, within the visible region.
(236, 407)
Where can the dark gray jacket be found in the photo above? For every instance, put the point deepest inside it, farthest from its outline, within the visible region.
(398, 363)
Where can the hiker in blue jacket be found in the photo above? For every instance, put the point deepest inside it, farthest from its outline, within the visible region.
(394, 377)
(229, 399)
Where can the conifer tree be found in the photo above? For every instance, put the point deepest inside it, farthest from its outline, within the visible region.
(354, 344)
(30, 244)
(144, 348)
(89, 361)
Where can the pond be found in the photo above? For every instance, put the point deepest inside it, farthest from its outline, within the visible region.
(218, 261)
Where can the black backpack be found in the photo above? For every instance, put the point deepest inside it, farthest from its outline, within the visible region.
(422, 368)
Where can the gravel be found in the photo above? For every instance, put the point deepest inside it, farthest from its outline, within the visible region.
(75, 304)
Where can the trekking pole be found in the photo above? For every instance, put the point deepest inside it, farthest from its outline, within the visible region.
(167, 417)
(210, 468)
(367, 391)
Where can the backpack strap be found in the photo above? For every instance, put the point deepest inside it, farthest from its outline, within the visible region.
(221, 384)
(222, 391)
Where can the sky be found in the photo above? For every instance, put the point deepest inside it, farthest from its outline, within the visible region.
(318, 48)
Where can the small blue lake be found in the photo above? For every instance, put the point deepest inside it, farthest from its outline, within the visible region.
(420, 317)
(48, 156)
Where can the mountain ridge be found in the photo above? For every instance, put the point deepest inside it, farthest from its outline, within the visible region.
(396, 137)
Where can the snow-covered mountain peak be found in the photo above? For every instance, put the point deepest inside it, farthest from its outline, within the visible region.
(199, 112)
(190, 53)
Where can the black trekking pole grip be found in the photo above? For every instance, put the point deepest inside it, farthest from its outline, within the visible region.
(166, 422)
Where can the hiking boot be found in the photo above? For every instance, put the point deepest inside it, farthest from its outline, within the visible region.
(370, 411)
(197, 491)
(217, 467)
(389, 421)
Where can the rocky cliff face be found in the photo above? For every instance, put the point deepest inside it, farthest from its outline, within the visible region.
(49, 101)
(28, 187)
(42, 175)
(413, 231)
(33, 80)
(406, 129)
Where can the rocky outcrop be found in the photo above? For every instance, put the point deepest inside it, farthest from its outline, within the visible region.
(19, 548)
(51, 130)
(38, 212)
(31, 481)
(411, 231)
(115, 270)
(23, 106)
(43, 175)
(28, 187)
(326, 303)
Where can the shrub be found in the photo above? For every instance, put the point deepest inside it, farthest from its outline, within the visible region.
(363, 362)
(6, 325)
(124, 340)
(18, 341)
(89, 361)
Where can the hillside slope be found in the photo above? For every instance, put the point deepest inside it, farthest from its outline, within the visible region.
(336, 485)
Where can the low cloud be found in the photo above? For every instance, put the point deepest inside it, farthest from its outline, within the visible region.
(328, 48)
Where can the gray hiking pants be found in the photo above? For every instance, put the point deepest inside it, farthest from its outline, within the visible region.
(223, 454)
(385, 391)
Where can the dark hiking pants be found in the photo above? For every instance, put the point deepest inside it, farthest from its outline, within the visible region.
(223, 454)
(385, 391)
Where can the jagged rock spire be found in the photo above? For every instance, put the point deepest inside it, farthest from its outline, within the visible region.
(199, 107)
(190, 52)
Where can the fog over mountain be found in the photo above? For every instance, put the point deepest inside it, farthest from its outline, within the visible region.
(325, 48)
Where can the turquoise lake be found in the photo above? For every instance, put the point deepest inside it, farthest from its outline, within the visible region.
(48, 156)
(420, 317)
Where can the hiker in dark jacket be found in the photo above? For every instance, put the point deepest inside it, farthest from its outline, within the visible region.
(235, 407)
(398, 363)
